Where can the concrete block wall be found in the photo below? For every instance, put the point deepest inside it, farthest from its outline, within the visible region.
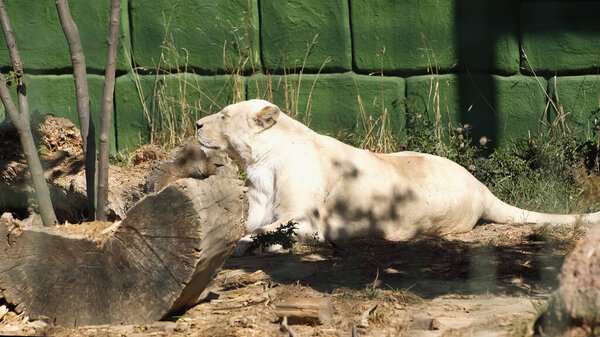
(491, 64)
(332, 100)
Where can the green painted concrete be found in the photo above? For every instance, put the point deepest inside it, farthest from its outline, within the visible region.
(499, 108)
(428, 95)
(579, 97)
(333, 104)
(412, 32)
(169, 96)
(41, 41)
(472, 39)
(211, 36)
(561, 36)
(420, 35)
(289, 27)
(487, 36)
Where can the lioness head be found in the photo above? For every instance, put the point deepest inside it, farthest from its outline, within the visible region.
(234, 128)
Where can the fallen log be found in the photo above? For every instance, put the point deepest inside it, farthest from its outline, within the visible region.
(157, 262)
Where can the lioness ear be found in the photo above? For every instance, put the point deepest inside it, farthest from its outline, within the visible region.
(267, 117)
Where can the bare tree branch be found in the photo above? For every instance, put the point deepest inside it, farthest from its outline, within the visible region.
(79, 73)
(20, 119)
(107, 102)
(83, 100)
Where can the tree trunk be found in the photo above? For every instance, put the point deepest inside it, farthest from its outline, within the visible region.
(158, 261)
(20, 119)
(107, 102)
(79, 72)
(86, 126)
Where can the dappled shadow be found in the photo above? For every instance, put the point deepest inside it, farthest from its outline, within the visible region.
(364, 203)
(428, 266)
(61, 164)
(369, 219)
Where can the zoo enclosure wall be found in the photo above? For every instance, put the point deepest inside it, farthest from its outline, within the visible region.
(496, 65)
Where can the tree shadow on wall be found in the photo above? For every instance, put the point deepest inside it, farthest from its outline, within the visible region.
(480, 27)
(489, 38)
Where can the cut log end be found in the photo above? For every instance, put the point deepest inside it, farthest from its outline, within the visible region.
(158, 261)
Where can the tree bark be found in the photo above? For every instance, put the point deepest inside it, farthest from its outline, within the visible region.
(107, 102)
(157, 262)
(83, 99)
(79, 72)
(20, 118)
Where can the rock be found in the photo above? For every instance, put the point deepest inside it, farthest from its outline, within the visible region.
(424, 322)
(579, 289)
(577, 299)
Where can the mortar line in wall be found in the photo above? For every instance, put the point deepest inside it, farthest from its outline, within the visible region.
(129, 10)
(260, 41)
(519, 38)
(352, 66)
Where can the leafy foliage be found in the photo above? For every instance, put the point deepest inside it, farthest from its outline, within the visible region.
(283, 235)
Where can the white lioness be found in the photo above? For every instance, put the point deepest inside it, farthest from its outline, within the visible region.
(338, 191)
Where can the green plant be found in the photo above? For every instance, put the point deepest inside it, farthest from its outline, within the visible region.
(375, 134)
(371, 290)
(283, 235)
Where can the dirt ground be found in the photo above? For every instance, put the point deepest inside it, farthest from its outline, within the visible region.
(492, 281)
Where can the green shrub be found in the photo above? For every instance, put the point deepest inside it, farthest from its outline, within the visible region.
(284, 235)
(548, 172)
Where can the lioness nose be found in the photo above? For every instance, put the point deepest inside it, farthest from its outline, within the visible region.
(198, 125)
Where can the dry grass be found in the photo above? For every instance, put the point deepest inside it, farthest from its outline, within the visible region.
(291, 82)
(171, 112)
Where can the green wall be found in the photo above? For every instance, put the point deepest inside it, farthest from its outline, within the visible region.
(492, 64)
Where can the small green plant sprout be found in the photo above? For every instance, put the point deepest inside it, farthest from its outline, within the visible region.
(284, 235)
(371, 290)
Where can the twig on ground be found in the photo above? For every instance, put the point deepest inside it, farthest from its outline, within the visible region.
(286, 327)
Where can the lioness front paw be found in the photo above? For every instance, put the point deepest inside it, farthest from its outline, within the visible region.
(272, 248)
(243, 246)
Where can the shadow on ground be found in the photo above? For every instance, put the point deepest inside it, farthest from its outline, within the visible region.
(427, 266)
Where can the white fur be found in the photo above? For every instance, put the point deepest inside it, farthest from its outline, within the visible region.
(338, 191)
